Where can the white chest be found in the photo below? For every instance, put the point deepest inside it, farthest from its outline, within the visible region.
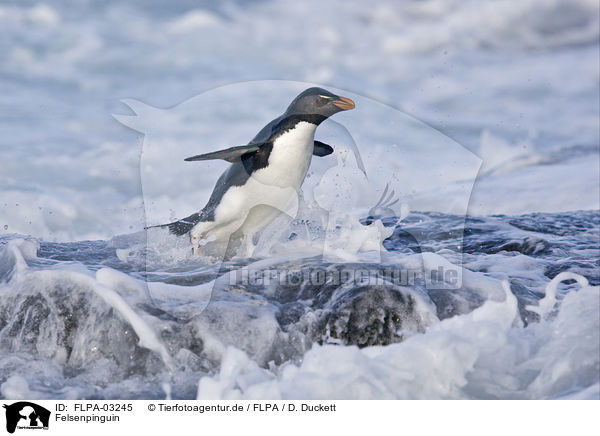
(290, 157)
(277, 185)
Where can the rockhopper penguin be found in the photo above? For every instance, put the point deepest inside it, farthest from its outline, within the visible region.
(265, 175)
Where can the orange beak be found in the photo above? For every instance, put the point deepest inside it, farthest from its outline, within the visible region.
(344, 103)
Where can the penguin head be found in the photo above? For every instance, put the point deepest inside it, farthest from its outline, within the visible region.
(318, 104)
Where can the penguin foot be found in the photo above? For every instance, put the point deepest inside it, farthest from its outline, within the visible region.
(196, 247)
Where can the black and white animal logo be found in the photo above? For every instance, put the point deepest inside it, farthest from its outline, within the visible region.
(26, 415)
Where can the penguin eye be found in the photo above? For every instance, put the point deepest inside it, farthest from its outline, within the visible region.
(322, 100)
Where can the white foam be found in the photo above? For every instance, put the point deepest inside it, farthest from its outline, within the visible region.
(147, 336)
(16, 388)
(14, 257)
(193, 20)
(546, 304)
(476, 355)
(106, 280)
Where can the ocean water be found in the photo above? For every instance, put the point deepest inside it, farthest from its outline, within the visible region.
(481, 117)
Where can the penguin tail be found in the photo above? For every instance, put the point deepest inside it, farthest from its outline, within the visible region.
(182, 226)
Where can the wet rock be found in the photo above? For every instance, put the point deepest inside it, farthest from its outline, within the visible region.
(371, 315)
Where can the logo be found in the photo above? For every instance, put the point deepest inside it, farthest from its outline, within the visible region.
(26, 415)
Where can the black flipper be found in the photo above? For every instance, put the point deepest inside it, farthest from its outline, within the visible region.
(321, 149)
(232, 154)
(183, 226)
(235, 154)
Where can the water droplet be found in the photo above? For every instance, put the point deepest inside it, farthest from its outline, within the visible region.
(5, 226)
